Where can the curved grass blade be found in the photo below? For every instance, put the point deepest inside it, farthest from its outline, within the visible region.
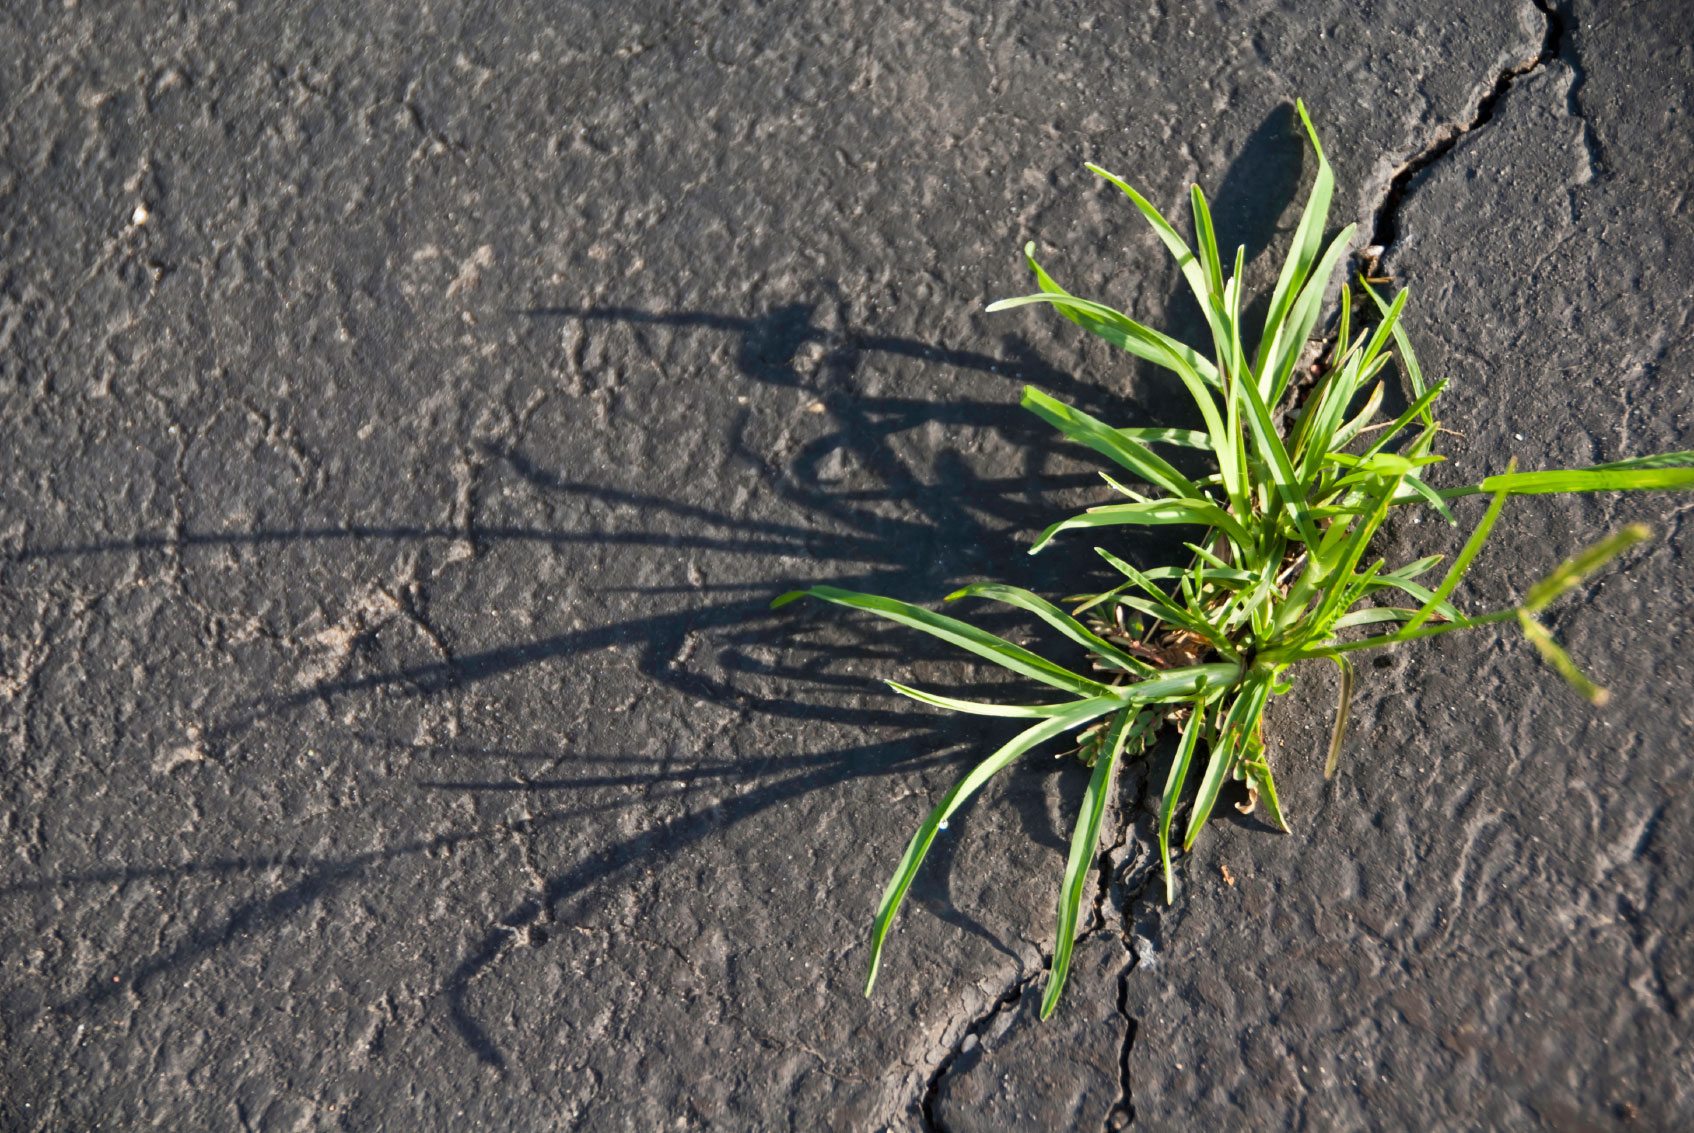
(1109, 442)
(954, 632)
(1084, 841)
(1182, 438)
(1121, 331)
(1462, 563)
(953, 800)
(981, 708)
(1173, 792)
(1259, 774)
(1344, 705)
(1057, 618)
(1408, 356)
(1156, 513)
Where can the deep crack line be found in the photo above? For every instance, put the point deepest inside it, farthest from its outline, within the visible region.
(1385, 231)
(1008, 1001)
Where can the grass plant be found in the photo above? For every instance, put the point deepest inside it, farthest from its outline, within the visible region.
(1303, 476)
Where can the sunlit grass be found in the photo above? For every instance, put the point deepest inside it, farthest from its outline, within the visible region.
(1302, 479)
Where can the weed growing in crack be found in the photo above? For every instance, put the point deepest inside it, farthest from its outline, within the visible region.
(1280, 573)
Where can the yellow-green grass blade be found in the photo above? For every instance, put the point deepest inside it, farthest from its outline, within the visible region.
(956, 797)
(1206, 238)
(1631, 476)
(1173, 791)
(1308, 238)
(1403, 343)
(1344, 705)
(1560, 660)
(1417, 409)
(1259, 775)
(1227, 749)
(1302, 317)
(1111, 324)
(1182, 438)
(1462, 563)
(1581, 566)
(1193, 270)
(981, 708)
(1109, 442)
(984, 644)
(1281, 469)
(1155, 513)
(1084, 842)
(1057, 618)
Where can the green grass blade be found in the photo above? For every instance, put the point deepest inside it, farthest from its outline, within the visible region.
(1589, 480)
(1683, 459)
(1156, 513)
(1344, 705)
(1270, 446)
(954, 632)
(1109, 442)
(1462, 563)
(1231, 744)
(1624, 476)
(1408, 356)
(952, 801)
(1259, 774)
(1560, 660)
(1055, 617)
(1084, 842)
(1207, 240)
(1196, 273)
(1579, 567)
(1173, 792)
(981, 708)
(1308, 238)
(1417, 410)
(1182, 438)
(1302, 317)
(1121, 331)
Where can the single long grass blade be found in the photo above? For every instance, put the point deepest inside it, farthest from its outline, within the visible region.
(1560, 660)
(1084, 842)
(1173, 791)
(982, 708)
(1343, 706)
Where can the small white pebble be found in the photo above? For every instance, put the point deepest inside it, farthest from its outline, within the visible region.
(140, 216)
(1517, 436)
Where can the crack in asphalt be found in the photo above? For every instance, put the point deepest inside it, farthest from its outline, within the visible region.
(1385, 232)
(1007, 1001)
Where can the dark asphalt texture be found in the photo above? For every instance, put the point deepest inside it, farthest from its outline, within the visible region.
(410, 411)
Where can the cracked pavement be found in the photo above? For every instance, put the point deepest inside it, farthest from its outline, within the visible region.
(412, 412)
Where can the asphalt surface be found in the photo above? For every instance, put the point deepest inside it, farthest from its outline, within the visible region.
(411, 411)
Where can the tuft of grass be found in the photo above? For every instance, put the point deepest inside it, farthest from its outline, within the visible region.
(1302, 479)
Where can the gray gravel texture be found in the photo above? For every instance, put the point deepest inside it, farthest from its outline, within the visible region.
(410, 411)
